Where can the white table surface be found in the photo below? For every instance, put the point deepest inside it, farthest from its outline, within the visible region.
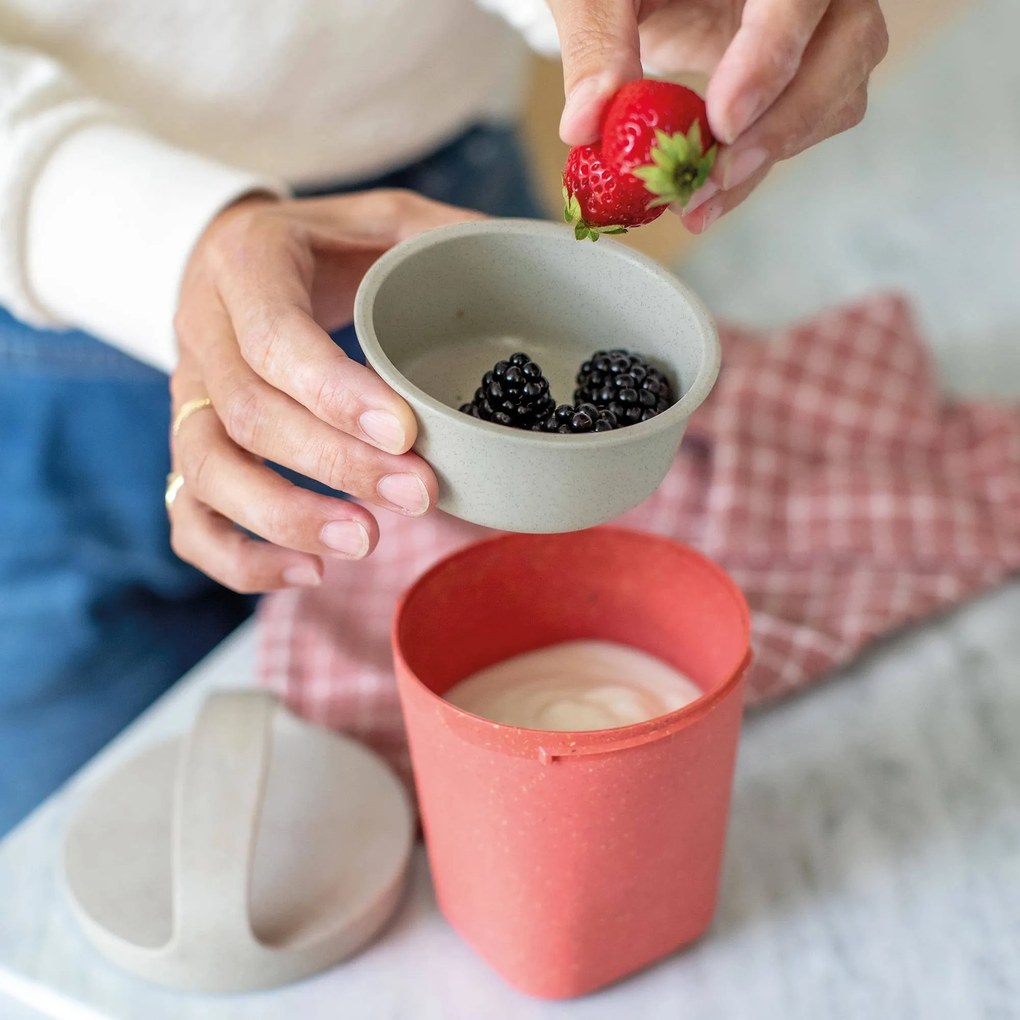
(873, 859)
(872, 869)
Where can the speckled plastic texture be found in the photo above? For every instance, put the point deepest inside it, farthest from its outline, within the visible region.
(436, 312)
(569, 860)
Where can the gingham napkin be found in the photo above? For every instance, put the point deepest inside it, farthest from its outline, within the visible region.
(825, 473)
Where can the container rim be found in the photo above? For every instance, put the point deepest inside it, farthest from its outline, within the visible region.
(550, 745)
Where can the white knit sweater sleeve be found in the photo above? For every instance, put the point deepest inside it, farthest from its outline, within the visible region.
(532, 18)
(97, 217)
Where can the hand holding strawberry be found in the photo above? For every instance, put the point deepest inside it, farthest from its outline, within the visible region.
(656, 150)
(784, 75)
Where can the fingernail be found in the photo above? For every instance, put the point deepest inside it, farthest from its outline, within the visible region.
(580, 96)
(708, 214)
(347, 537)
(700, 197)
(743, 113)
(741, 165)
(407, 492)
(302, 575)
(384, 429)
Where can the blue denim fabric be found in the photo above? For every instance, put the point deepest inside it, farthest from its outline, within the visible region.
(97, 616)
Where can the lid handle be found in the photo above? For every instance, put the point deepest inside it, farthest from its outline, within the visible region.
(221, 781)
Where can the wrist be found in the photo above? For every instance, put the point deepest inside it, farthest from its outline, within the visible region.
(230, 216)
(113, 217)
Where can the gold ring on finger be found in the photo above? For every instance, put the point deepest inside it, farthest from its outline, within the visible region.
(174, 483)
(188, 408)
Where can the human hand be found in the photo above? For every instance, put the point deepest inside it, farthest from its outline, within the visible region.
(784, 74)
(265, 284)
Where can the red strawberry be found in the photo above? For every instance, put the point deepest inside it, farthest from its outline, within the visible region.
(656, 150)
(599, 200)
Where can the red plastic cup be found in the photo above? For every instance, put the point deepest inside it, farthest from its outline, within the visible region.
(570, 859)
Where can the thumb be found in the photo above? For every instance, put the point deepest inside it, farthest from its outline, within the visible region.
(600, 50)
(375, 219)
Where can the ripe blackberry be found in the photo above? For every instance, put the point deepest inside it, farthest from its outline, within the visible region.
(514, 392)
(576, 420)
(625, 384)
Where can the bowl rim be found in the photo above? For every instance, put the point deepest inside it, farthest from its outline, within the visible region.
(379, 361)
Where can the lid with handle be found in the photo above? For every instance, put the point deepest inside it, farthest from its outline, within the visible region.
(257, 850)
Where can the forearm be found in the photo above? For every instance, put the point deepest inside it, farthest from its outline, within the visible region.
(97, 217)
(532, 18)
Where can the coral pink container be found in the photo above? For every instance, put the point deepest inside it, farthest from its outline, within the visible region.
(568, 860)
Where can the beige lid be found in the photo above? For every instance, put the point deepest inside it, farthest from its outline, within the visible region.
(256, 851)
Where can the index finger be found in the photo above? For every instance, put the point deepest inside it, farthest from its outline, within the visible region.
(265, 285)
(760, 62)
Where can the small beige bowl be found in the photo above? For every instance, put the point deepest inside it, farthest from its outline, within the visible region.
(436, 312)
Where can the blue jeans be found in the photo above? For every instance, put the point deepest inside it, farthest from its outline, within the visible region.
(97, 616)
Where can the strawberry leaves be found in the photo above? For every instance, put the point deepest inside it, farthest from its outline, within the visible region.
(678, 168)
(582, 230)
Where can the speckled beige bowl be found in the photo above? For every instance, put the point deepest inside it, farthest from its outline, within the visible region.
(436, 312)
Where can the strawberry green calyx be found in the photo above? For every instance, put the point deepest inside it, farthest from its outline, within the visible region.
(582, 228)
(678, 168)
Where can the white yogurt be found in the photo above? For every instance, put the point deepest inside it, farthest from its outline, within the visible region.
(578, 685)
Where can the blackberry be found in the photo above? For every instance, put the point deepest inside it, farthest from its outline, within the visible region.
(514, 393)
(614, 389)
(625, 384)
(576, 420)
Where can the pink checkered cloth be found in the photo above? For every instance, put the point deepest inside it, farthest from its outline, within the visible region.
(825, 473)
